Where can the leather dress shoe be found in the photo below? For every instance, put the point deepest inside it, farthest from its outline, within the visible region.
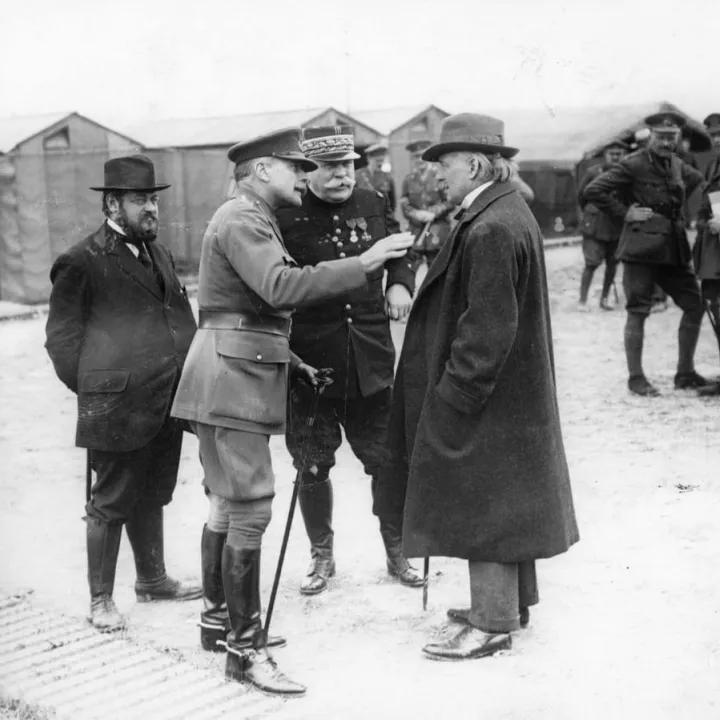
(709, 390)
(690, 381)
(166, 589)
(320, 571)
(462, 615)
(469, 644)
(398, 567)
(639, 385)
(605, 305)
(104, 616)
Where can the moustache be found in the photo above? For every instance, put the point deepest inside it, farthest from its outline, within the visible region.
(338, 183)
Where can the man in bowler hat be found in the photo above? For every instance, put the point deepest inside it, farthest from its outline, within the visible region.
(234, 386)
(118, 331)
(646, 191)
(477, 458)
(349, 333)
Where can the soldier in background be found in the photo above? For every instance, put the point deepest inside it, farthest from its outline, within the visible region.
(600, 230)
(373, 177)
(706, 251)
(423, 201)
(646, 191)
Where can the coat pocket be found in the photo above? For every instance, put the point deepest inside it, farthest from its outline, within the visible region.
(646, 241)
(101, 392)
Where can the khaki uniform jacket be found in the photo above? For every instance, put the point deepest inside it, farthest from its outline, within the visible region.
(238, 378)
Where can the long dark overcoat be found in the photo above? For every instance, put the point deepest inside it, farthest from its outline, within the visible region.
(475, 436)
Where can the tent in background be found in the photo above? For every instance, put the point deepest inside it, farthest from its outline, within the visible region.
(47, 165)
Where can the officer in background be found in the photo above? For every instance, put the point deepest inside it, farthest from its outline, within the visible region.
(373, 177)
(706, 251)
(349, 333)
(646, 191)
(423, 202)
(600, 230)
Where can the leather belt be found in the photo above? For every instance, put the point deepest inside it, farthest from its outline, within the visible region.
(213, 320)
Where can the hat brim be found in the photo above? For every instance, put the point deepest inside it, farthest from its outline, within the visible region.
(305, 163)
(108, 188)
(336, 156)
(435, 151)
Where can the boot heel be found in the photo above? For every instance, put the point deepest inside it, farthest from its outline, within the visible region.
(211, 639)
(236, 666)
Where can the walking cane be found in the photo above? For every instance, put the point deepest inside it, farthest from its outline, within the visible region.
(426, 580)
(711, 317)
(323, 381)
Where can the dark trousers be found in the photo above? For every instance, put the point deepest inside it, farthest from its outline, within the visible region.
(148, 475)
(364, 420)
(679, 282)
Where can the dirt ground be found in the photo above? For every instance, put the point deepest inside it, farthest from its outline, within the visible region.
(628, 625)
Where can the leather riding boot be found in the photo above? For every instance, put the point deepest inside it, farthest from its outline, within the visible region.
(145, 531)
(316, 506)
(638, 384)
(103, 545)
(397, 564)
(248, 660)
(688, 334)
(214, 620)
(585, 281)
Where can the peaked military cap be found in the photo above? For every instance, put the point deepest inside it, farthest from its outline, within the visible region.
(712, 123)
(376, 149)
(329, 143)
(283, 144)
(616, 143)
(666, 121)
(417, 145)
(131, 172)
(469, 131)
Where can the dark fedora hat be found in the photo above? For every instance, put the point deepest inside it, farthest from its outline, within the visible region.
(283, 144)
(131, 172)
(331, 143)
(468, 131)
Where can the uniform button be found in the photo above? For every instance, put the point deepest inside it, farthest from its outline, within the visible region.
(259, 356)
(349, 321)
(342, 255)
(338, 231)
(336, 218)
(348, 306)
(339, 244)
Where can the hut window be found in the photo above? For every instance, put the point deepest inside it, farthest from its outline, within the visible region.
(59, 140)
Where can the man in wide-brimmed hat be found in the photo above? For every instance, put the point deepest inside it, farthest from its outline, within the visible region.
(349, 333)
(477, 459)
(233, 389)
(119, 328)
(373, 177)
(646, 191)
(600, 231)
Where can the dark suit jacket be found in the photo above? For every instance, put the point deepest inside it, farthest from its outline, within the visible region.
(117, 338)
(350, 332)
(474, 431)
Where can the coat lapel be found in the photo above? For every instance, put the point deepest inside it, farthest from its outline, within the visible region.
(161, 259)
(128, 263)
(481, 203)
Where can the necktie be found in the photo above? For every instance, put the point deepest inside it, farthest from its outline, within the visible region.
(144, 257)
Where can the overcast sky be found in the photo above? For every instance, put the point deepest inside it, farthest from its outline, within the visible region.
(124, 61)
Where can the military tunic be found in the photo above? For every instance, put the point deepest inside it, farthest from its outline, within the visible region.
(600, 230)
(377, 180)
(350, 333)
(421, 190)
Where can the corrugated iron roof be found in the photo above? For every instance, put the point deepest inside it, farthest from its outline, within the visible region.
(203, 132)
(388, 119)
(15, 130)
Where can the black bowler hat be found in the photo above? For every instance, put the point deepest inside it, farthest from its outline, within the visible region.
(712, 123)
(283, 144)
(132, 172)
(468, 131)
(666, 121)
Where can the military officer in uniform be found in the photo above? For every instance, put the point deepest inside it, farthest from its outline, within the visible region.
(373, 177)
(646, 191)
(233, 389)
(423, 202)
(118, 330)
(706, 251)
(349, 333)
(600, 231)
